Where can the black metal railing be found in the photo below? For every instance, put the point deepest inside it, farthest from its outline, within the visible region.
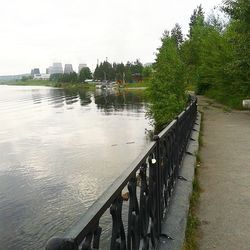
(150, 181)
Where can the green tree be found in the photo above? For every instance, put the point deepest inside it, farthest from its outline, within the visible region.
(128, 73)
(238, 36)
(167, 89)
(84, 74)
(147, 72)
(137, 67)
(96, 74)
(26, 78)
(119, 71)
(177, 35)
(73, 77)
(197, 16)
(55, 77)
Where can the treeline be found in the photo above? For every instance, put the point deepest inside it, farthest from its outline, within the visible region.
(129, 72)
(72, 77)
(214, 59)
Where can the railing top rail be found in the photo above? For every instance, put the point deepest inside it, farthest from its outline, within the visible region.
(167, 129)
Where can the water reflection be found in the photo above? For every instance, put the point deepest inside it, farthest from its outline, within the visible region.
(36, 96)
(119, 101)
(59, 150)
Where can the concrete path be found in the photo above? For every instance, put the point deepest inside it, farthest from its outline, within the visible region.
(224, 209)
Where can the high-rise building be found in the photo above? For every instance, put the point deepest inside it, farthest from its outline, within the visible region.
(81, 66)
(35, 71)
(68, 69)
(56, 68)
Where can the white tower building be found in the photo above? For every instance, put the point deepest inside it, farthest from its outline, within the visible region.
(81, 66)
(56, 68)
(68, 69)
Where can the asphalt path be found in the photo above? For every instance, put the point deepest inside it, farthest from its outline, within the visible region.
(224, 209)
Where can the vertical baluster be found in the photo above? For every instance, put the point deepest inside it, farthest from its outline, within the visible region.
(133, 237)
(87, 242)
(167, 169)
(162, 176)
(144, 208)
(157, 173)
(97, 236)
(118, 239)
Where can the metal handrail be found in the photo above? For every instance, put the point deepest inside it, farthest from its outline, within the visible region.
(152, 175)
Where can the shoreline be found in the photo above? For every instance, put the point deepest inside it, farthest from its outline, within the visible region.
(128, 86)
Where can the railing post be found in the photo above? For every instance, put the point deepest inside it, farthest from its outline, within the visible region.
(176, 149)
(158, 184)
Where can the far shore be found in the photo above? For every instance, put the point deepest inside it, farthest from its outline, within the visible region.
(47, 83)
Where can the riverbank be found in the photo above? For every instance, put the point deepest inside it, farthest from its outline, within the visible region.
(48, 83)
(127, 86)
(31, 83)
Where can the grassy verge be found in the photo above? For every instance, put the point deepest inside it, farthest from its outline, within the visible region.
(33, 83)
(193, 222)
(231, 100)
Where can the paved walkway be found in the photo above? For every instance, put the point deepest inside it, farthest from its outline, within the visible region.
(224, 209)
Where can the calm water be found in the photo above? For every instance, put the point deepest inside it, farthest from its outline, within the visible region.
(59, 151)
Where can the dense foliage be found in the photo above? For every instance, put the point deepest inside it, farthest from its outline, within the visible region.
(119, 71)
(167, 88)
(217, 55)
(84, 74)
(214, 59)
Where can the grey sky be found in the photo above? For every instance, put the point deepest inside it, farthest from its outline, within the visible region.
(35, 33)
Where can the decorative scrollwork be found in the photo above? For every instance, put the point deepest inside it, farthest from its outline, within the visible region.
(92, 240)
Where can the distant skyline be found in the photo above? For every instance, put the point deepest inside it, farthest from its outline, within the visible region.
(34, 34)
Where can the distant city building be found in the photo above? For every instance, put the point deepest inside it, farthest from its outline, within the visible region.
(56, 68)
(50, 69)
(42, 76)
(81, 66)
(35, 71)
(47, 70)
(68, 69)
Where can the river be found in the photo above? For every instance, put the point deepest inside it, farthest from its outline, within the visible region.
(59, 150)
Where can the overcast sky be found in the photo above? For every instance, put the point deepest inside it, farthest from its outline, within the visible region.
(35, 33)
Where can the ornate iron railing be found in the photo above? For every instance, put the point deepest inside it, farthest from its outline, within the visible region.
(150, 181)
